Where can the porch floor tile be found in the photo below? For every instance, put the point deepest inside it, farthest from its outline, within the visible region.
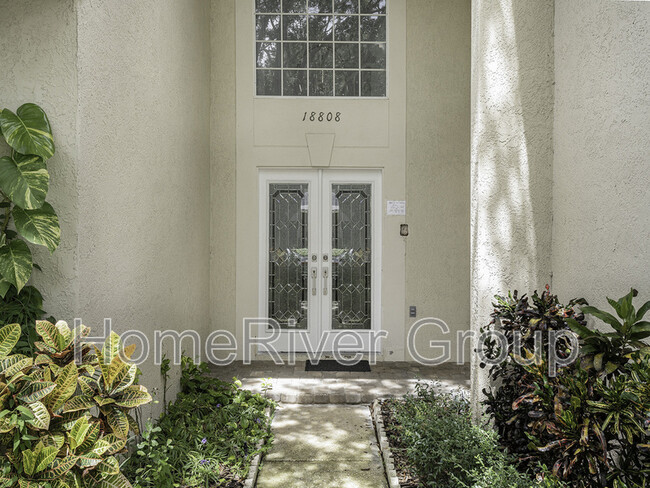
(292, 384)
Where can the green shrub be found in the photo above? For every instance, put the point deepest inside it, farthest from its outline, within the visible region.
(62, 424)
(589, 423)
(445, 447)
(214, 428)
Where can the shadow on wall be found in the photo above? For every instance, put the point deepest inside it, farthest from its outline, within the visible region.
(511, 151)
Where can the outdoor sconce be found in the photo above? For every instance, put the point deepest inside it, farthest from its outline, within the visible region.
(404, 230)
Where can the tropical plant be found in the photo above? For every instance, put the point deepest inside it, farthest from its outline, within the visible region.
(64, 414)
(527, 326)
(24, 182)
(589, 422)
(606, 352)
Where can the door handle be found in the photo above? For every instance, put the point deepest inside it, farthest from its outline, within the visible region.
(314, 276)
(325, 276)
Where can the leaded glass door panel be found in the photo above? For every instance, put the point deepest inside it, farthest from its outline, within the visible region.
(320, 256)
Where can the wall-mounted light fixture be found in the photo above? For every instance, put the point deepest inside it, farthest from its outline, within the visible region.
(403, 230)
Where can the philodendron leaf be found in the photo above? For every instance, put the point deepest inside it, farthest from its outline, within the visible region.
(24, 179)
(16, 263)
(28, 130)
(39, 226)
(4, 287)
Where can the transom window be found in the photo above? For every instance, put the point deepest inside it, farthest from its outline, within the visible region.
(321, 48)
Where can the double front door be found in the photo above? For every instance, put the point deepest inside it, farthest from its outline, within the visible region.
(320, 254)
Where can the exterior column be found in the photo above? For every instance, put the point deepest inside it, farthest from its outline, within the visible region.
(511, 155)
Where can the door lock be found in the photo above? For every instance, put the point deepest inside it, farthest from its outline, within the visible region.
(314, 276)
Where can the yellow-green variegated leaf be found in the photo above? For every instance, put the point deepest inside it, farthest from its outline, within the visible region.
(103, 401)
(112, 347)
(9, 336)
(133, 397)
(67, 420)
(42, 359)
(10, 361)
(24, 179)
(23, 483)
(118, 422)
(84, 462)
(28, 130)
(48, 333)
(133, 425)
(79, 402)
(41, 420)
(6, 425)
(36, 391)
(88, 385)
(66, 382)
(18, 366)
(124, 377)
(45, 458)
(59, 468)
(112, 481)
(39, 226)
(78, 433)
(55, 440)
(91, 438)
(65, 334)
(109, 466)
(29, 461)
(110, 444)
(16, 263)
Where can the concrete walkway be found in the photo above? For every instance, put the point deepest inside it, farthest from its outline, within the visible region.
(323, 446)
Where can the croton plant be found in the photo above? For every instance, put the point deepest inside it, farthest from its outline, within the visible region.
(64, 414)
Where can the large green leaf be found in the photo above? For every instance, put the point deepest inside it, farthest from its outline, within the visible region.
(604, 316)
(9, 336)
(28, 130)
(24, 179)
(39, 226)
(16, 263)
(4, 286)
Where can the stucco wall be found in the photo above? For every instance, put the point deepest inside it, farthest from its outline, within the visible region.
(38, 64)
(601, 195)
(438, 169)
(512, 153)
(223, 167)
(143, 158)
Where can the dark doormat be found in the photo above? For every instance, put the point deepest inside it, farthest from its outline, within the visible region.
(332, 365)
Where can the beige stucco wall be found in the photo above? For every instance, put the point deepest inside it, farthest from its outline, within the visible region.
(601, 194)
(223, 167)
(438, 169)
(38, 64)
(512, 153)
(143, 157)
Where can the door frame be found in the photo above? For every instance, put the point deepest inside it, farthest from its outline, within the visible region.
(320, 334)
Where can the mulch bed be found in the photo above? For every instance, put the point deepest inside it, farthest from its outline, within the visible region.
(405, 473)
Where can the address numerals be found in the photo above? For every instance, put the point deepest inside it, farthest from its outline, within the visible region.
(322, 117)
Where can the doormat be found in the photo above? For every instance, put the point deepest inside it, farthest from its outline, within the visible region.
(332, 365)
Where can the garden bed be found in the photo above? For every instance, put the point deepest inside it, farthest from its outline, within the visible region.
(431, 441)
(212, 436)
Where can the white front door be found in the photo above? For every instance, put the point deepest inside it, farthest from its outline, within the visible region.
(320, 255)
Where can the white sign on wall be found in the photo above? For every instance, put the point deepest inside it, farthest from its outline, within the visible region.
(395, 207)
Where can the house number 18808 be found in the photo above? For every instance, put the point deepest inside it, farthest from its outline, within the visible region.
(322, 117)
